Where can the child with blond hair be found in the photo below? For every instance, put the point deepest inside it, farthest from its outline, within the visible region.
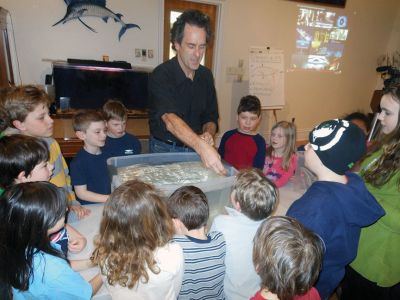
(281, 158)
(288, 258)
(25, 109)
(254, 198)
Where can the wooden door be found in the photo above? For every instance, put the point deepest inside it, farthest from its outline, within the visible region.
(172, 7)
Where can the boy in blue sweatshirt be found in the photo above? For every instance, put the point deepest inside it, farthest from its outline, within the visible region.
(338, 204)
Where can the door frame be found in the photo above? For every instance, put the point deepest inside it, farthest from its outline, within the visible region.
(216, 33)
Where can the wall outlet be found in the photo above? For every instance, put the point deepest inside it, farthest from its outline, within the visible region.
(138, 52)
(150, 53)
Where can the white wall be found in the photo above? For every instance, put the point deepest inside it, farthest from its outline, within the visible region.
(394, 42)
(36, 39)
(310, 96)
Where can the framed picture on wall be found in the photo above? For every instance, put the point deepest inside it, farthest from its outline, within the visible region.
(338, 3)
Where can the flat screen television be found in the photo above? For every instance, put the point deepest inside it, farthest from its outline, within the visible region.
(89, 87)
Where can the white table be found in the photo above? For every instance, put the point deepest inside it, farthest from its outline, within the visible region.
(89, 227)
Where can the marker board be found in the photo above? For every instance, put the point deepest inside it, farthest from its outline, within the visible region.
(266, 76)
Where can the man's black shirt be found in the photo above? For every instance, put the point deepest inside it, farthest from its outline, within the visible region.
(170, 91)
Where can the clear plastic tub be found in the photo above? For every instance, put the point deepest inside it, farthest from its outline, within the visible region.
(303, 177)
(217, 189)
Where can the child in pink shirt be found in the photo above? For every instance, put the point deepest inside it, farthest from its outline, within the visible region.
(281, 159)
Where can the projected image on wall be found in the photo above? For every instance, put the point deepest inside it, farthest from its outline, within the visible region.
(321, 35)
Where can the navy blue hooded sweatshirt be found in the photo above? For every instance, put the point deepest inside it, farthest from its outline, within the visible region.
(336, 212)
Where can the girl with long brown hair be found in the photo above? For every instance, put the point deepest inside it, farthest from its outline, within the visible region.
(375, 273)
(134, 250)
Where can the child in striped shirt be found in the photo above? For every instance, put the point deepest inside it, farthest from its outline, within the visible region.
(204, 253)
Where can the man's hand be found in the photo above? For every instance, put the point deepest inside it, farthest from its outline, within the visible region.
(199, 143)
(80, 211)
(211, 158)
(208, 138)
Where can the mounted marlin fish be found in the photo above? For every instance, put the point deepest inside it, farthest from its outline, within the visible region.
(77, 9)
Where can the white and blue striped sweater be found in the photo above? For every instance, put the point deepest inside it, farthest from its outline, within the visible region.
(204, 267)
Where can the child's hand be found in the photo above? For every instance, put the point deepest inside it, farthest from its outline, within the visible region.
(80, 211)
(81, 264)
(76, 245)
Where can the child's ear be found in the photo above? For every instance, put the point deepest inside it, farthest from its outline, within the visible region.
(235, 204)
(180, 228)
(80, 134)
(21, 177)
(257, 267)
(19, 125)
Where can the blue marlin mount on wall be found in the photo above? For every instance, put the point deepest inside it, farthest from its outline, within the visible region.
(78, 9)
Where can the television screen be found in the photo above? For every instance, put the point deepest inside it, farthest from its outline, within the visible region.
(89, 87)
(321, 36)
